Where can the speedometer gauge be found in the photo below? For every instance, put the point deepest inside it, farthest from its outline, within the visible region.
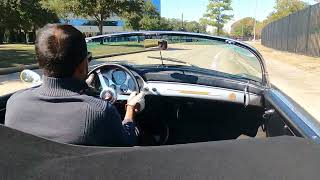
(119, 77)
(131, 85)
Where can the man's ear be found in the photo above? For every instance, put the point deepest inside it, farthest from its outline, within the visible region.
(81, 70)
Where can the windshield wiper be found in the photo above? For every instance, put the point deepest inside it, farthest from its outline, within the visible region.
(172, 60)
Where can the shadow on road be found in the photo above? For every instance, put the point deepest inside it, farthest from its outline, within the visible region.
(177, 49)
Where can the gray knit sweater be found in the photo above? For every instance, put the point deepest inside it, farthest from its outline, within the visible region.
(58, 111)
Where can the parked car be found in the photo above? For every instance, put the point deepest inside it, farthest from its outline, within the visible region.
(211, 113)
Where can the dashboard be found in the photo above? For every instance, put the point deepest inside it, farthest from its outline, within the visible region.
(123, 83)
(119, 80)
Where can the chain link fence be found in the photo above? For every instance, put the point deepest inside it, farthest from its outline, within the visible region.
(297, 33)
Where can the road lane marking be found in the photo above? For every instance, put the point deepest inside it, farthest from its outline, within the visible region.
(214, 64)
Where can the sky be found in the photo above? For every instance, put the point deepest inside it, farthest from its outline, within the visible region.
(194, 9)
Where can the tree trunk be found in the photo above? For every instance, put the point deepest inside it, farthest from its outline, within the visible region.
(101, 30)
(27, 37)
(1, 36)
(218, 31)
(12, 36)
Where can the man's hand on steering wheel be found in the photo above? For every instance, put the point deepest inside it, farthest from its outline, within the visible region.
(136, 101)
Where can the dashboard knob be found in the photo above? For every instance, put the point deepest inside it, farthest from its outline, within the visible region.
(146, 89)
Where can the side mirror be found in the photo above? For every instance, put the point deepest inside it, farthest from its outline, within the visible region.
(29, 76)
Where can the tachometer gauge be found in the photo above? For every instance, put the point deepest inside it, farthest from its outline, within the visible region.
(131, 85)
(119, 77)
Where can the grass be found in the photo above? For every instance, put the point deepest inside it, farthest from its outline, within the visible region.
(110, 48)
(13, 55)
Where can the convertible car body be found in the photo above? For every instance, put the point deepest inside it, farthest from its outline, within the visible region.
(211, 113)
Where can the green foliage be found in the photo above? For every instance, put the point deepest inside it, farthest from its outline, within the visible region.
(151, 18)
(62, 8)
(194, 26)
(243, 27)
(18, 15)
(100, 10)
(285, 7)
(217, 14)
(147, 19)
(172, 24)
(34, 16)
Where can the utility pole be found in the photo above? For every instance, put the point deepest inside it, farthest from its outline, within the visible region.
(242, 32)
(255, 21)
(182, 22)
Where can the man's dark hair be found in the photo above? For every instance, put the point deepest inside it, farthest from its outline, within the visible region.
(60, 49)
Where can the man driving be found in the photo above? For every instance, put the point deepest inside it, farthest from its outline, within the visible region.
(60, 109)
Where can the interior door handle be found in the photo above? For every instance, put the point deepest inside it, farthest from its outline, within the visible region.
(246, 96)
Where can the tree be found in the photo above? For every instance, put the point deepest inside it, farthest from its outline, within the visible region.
(285, 7)
(2, 21)
(101, 10)
(147, 19)
(62, 8)
(216, 14)
(243, 27)
(194, 26)
(176, 25)
(19, 17)
(34, 16)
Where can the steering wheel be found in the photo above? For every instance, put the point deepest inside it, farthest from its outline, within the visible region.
(108, 92)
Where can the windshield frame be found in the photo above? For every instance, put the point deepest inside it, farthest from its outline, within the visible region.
(265, 79)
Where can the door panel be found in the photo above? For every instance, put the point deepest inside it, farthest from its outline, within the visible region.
(3, 103)
(289, 118)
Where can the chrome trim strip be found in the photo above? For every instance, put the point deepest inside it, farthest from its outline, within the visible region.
(200, 92)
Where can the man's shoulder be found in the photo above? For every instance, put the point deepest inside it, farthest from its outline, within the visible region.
(24, 93)
(96, 103)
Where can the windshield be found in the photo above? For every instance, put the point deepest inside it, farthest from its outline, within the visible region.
(196, 52)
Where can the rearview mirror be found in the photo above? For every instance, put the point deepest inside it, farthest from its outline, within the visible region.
(29, 76)
(162, 44)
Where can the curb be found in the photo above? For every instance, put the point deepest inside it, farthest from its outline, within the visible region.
(5, 71)
(119, 54)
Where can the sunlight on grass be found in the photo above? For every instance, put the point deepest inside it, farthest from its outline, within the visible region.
(112, 48)
(12, 55)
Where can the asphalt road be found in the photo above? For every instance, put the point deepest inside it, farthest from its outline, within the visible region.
(302, 86)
